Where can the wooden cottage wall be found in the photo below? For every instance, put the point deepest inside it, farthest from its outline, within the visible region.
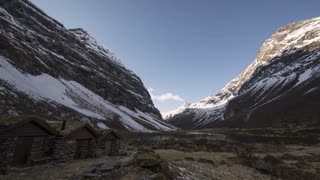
(66, 147)
(114, 143)
(85, 135)
(9, 139)
(114, 147)
(92, 148)
(82, 133)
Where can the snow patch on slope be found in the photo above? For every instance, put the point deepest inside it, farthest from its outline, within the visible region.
(72, 95)
(102, 126)
(147, 118)
(170, 114)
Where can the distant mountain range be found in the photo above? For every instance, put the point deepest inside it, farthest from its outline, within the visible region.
(58, 73)
(280, 88)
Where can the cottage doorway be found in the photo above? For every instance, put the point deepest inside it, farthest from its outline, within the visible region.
(108, 147)
(22, 150)
(82, 150)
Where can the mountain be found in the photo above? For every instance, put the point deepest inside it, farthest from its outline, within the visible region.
(54, 72)
(280, 88)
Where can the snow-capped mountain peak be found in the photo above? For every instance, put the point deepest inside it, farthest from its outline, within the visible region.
(291, 53)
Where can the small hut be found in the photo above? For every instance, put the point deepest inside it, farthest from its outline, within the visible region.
(109, 142)
(25, 140)
(76, 140)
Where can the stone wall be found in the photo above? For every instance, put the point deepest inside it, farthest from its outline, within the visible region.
(42, 150)
(7, 148)
(64, 150)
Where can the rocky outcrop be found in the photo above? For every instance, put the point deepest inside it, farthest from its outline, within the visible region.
(144, 164)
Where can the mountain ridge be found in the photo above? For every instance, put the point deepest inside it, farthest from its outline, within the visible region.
(286, 39)
(65, 74)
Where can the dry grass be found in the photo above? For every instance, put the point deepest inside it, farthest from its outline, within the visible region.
(174, 155)
(55, 171)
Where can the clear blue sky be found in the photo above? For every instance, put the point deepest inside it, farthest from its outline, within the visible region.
(190, 48)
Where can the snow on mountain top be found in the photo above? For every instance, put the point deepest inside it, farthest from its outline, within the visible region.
(286, 40)
(294, 35)
(169, 114)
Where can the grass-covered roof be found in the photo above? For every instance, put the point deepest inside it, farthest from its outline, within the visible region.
(11, 122)
(70, 126)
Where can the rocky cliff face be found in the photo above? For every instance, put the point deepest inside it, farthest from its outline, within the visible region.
(279, 88)
(51, 71)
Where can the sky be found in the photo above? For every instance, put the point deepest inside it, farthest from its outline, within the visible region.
(183, 50)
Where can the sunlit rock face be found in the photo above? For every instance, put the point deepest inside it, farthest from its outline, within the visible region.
(280, 88)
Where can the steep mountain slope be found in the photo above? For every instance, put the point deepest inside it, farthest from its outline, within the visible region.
(281, 85)
(51, 71)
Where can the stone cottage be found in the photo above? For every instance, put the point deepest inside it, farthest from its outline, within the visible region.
(25, 140)
(75, 140)
(109, 142)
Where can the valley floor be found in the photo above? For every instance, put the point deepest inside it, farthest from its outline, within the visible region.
(207, 154)
(300, 161)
